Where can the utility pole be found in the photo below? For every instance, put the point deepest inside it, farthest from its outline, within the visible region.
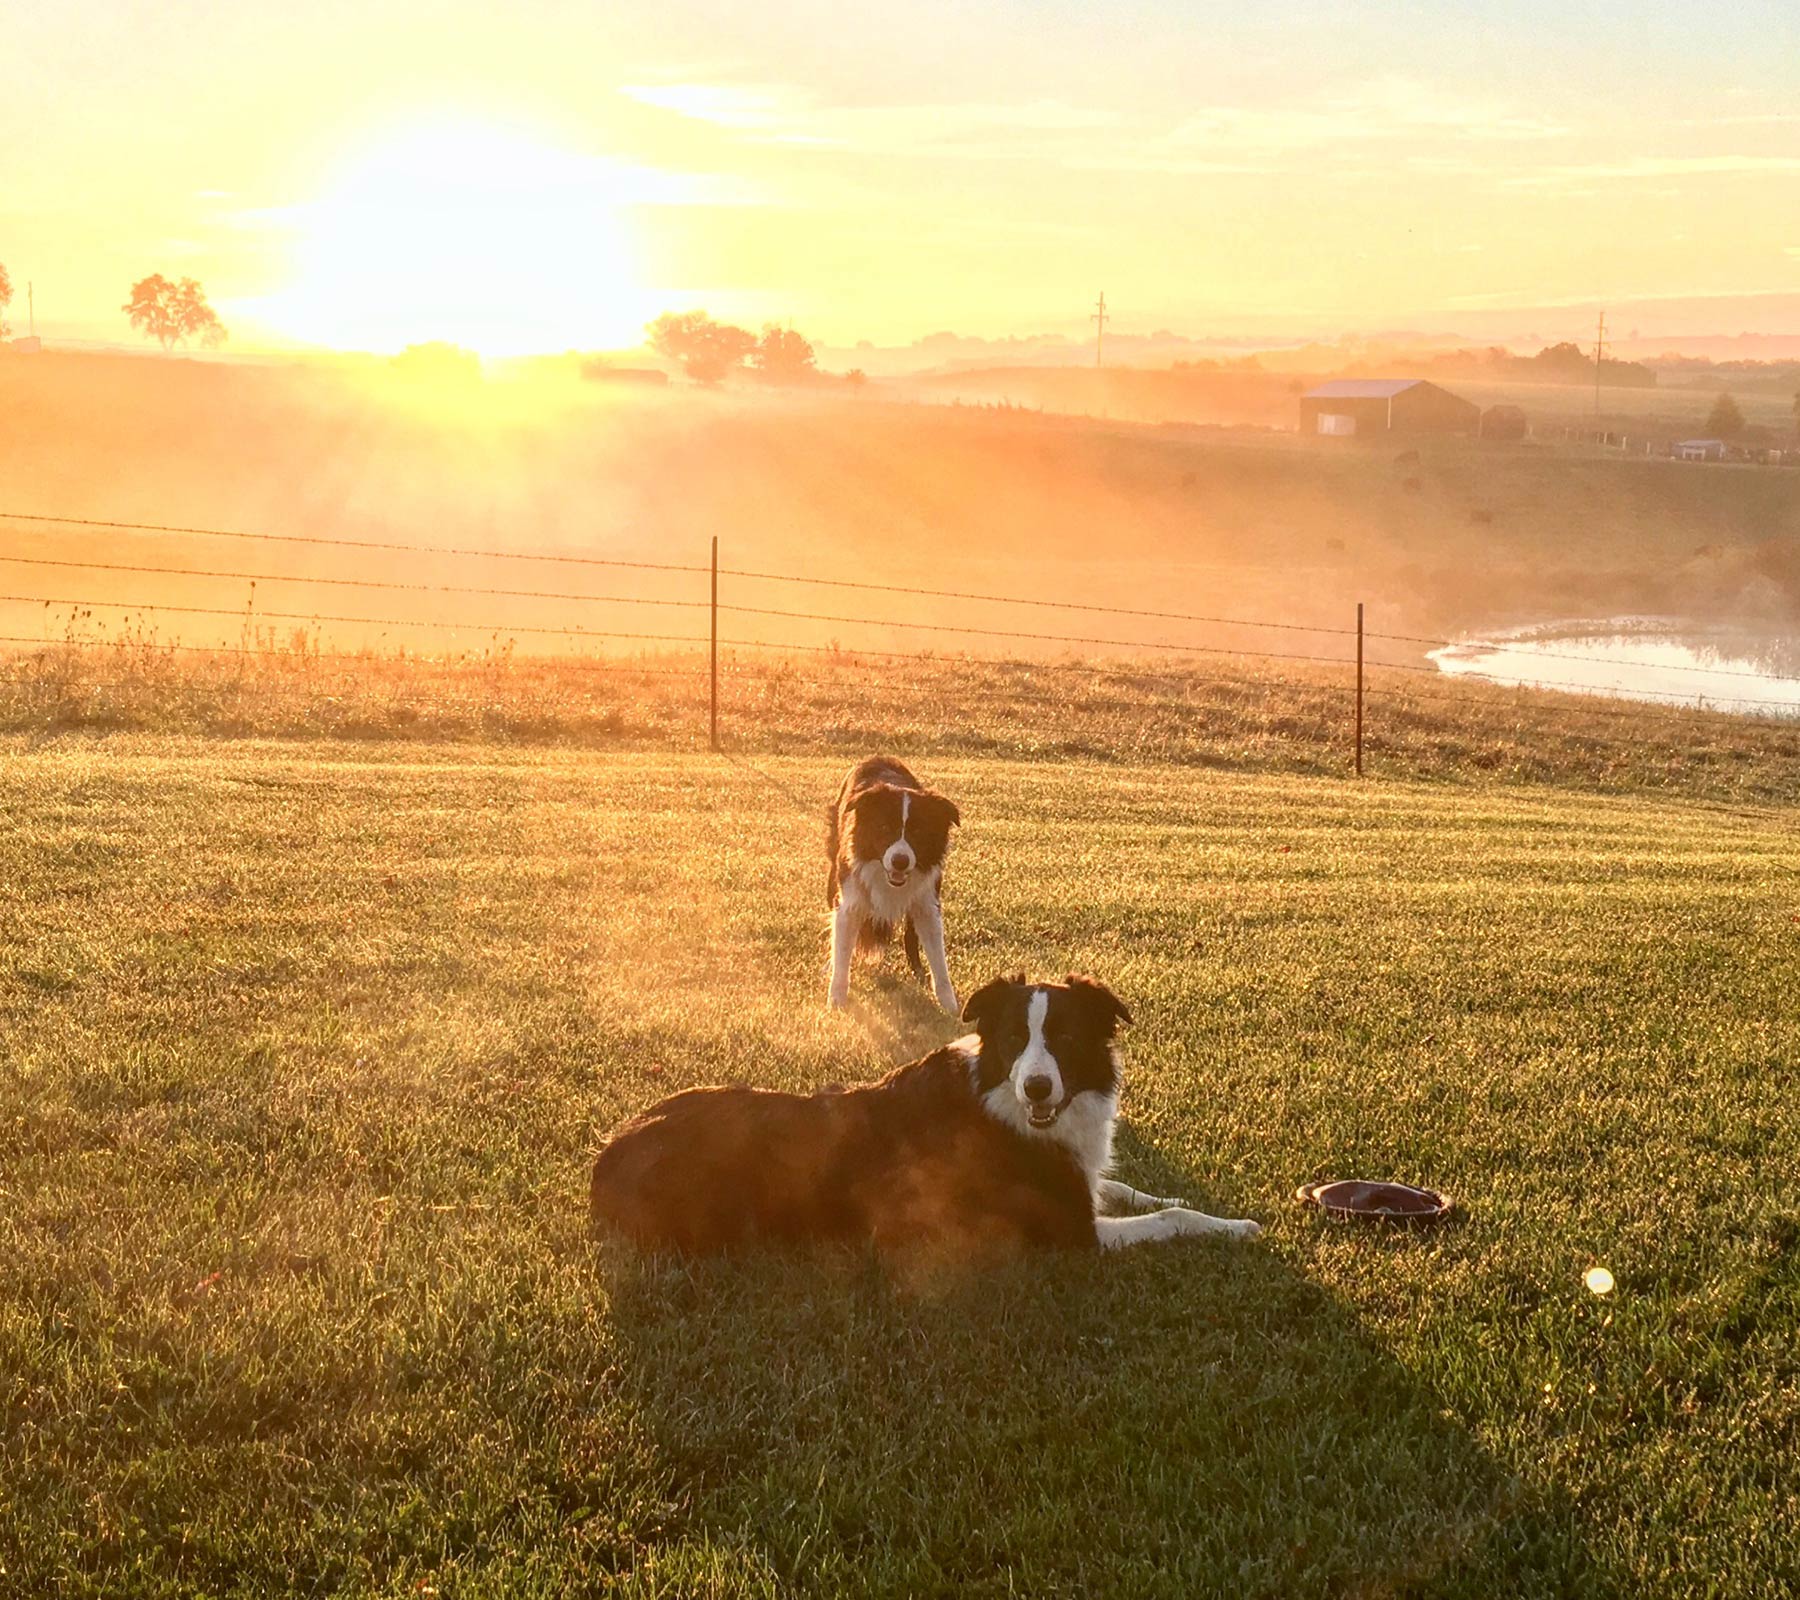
(31, 306)
(1599, 354)
(1099, 320)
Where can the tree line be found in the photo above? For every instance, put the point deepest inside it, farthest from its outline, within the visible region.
(709, 352)
(176, 312)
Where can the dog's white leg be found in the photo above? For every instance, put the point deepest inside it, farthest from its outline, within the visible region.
(928, 921)
(1115, 1233)
(1122, 1197)
(845, 924)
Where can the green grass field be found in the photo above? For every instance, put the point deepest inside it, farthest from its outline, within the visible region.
(304, 1047)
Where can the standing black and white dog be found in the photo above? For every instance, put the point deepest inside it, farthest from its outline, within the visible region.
(887, 836)
(995, 1144)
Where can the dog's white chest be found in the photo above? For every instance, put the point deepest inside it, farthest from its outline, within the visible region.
(881, 901)
(1085, 1129)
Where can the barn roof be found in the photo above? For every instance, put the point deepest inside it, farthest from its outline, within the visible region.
(1361, 388)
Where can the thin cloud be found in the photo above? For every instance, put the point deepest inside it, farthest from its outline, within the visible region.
(1383, 110)
(1215, 140)
(1637, 167)
(1525, 300)
(724, 104)
(781, 115)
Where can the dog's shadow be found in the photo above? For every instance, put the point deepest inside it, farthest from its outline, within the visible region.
(898, 1013)
(1138, 1162)
(1064, 1425)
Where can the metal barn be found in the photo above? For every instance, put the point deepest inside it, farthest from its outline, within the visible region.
(1348, 407)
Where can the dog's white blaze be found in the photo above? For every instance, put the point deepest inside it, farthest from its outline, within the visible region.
(1035, 1061)
(887, 855)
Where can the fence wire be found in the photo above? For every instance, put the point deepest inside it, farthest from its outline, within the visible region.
(1575, 700)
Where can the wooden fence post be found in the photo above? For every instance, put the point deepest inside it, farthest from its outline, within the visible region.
(714, 720)
(1359, 686)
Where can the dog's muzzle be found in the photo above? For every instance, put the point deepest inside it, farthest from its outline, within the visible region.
(897, 877)
(1040, 1110)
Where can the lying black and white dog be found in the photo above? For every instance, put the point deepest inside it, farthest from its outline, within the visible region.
(887, 836)
(997, 1143)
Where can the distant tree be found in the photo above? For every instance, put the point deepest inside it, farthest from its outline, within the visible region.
(172, 313)
(1565, 358)
(1569, 363)
(1724, 421)
(1797, 413)
(707, 351)
(438, 360)
(783, 356)
(6, 299)
(857, 379)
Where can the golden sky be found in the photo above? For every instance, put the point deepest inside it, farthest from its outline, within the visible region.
(548, 174)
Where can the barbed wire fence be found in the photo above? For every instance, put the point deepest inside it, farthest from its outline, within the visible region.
(1344, 648)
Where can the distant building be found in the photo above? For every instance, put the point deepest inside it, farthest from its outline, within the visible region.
(1701, 449)
(1503, 422)
(29, 345)
(1360, 406)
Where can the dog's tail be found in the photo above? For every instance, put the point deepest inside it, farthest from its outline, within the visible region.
(912, 950)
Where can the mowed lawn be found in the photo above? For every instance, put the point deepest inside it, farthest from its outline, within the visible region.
(304, 1050)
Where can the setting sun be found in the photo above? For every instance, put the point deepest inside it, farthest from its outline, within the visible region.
(466, 233)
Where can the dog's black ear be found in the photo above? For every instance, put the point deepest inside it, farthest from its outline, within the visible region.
(1104, 1005)
(980, 1006)
(945, 806)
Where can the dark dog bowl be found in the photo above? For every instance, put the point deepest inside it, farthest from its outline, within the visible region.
(1376, 1202)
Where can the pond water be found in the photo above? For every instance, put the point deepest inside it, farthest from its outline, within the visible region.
(1641, 658)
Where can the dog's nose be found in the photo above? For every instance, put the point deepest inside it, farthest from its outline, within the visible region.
(903, 862)
(1037, 1087)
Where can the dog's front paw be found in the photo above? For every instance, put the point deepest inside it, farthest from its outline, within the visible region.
(946, 999)
(839, 999)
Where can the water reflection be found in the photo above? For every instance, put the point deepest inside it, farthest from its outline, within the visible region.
(1656, 659)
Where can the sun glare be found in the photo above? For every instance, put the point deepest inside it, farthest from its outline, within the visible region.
(468, 234)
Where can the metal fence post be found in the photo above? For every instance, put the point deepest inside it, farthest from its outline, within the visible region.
(1359, 686)
(714, 720)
